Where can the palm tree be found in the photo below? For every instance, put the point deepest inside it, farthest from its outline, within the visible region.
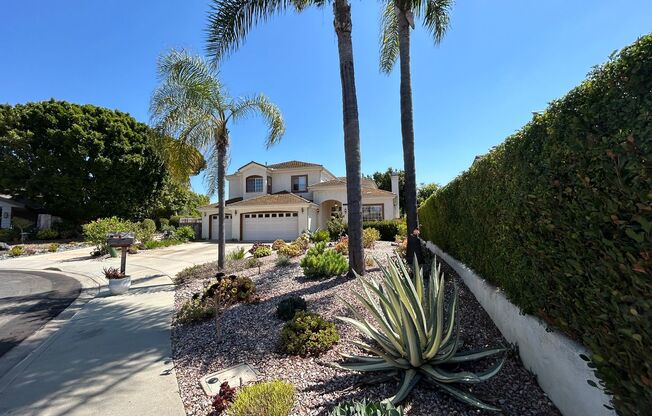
(229, 23)
(398, 18)
(191, 105)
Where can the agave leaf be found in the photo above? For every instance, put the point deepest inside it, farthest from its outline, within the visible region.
(492, 371)
(398, 362)
(409, 298)
(418, 279)
(451, 316)
(443, 376)
(476, 354)
(413, 346)
(383, 301)
(378, 316)
(447, 352)
(439, 323)
(371, 332)
(465, 397)
(384, 366)
(410, 379)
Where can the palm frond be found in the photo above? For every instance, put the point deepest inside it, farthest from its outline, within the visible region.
(388, 38)
(229, 22)
(246, 107)
(437, 18)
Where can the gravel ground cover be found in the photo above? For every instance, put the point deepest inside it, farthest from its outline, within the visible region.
(251, 333)
(42, 248)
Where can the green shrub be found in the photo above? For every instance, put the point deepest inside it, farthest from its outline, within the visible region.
(237, 254)
(283, 261)
(369, 237)
(16, 251)
(308, 334)
(272, 398)
(286, 308)
(9, 234)
(163, 224)
(336, 226)
(303, 241)
(559, 216)
(197, 272)
(388, 229)
(48, 234)
(96, 231)
(150, 245)
(252, 262)
(231, 289)
(366, 408)
(262, 251)
(278, 244)
(321, 235)
(290, 250)
(320, 262)
(53, 247)
(185, 233)
(174, 221)
(147, 230)
(194, 310)
(66, 229)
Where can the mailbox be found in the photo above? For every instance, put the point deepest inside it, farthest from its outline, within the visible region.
(120, 239)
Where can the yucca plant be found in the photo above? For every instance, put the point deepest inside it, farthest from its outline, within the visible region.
(414, 340)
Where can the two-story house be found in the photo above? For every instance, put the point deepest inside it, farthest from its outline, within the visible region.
(283, 200)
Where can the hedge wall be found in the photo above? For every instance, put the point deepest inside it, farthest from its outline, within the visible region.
(560, 217)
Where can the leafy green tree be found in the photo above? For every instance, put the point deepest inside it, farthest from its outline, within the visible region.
(425, 190)
(191, 105)
(229, 23)
(398, 18)
(79, 162)
(175, 198)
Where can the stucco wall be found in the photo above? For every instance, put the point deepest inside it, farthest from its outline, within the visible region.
(554, 358)
(282, 181)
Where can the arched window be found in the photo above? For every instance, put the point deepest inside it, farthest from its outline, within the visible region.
(254, 183)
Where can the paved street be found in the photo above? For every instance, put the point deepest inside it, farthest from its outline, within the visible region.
(113, 356)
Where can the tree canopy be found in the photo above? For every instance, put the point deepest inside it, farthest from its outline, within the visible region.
(80, 162)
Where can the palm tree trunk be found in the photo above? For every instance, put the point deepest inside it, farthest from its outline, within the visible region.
(221, 142)
(407, 132)
(343, 26)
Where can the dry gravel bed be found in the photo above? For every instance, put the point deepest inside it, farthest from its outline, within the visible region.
(251, 332)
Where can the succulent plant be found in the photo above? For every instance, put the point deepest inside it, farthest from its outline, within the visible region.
(414, 339)
(365, 408)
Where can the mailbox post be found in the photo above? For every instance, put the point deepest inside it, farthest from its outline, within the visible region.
(122, 240)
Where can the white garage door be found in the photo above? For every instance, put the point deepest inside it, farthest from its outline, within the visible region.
(270, 226)
(227, 227)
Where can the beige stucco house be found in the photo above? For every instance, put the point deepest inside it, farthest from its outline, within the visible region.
(282, 200)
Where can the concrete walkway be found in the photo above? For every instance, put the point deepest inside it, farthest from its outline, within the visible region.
(113, 357)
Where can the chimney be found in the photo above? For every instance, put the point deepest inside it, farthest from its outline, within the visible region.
(395, 192)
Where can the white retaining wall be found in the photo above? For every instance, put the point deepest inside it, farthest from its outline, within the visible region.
(553, 357)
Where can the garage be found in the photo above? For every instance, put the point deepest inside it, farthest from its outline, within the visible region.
(270, 226)
(215, 227)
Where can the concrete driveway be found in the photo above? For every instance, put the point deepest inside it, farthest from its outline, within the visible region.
(107, 355)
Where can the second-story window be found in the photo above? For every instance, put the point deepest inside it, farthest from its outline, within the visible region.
(300, 183)
(254, 184)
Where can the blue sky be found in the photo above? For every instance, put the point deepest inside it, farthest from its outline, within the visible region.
(501, 60)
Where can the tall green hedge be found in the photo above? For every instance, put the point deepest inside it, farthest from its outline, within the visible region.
(560, 217)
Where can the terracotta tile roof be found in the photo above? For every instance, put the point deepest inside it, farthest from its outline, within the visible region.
(293, 164)
(364, 182)
(281, 198)
(375, 192)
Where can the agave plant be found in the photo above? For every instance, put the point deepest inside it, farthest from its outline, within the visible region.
(413, 339)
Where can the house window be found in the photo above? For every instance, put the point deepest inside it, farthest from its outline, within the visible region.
(372, 212)
(300, 183)
(269, 184)
(254, 184)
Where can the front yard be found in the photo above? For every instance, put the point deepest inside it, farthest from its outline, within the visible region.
(251, 332)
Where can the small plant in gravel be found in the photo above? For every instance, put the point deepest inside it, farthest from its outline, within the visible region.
(278, 244)
(411, 336)
(287, 308)
(401, 246)
(369, 261)
(230, 289)
(223, 398)
(320, 235)
(255, 246)
(262, 251)
(283, 261)
(252, 262)
(369, 237)
(195, 310)
(272, 398)
(16, 251)
(133, 249)
(303, 241)
(336, 226)
(308, 334)
(237, 254)
(53, 247)
(342, 246)
(366, 408)
(320, 262)
(197, 272)
(290, 250)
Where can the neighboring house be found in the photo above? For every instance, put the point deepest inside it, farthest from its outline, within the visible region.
(7, 205)
(280, 201)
